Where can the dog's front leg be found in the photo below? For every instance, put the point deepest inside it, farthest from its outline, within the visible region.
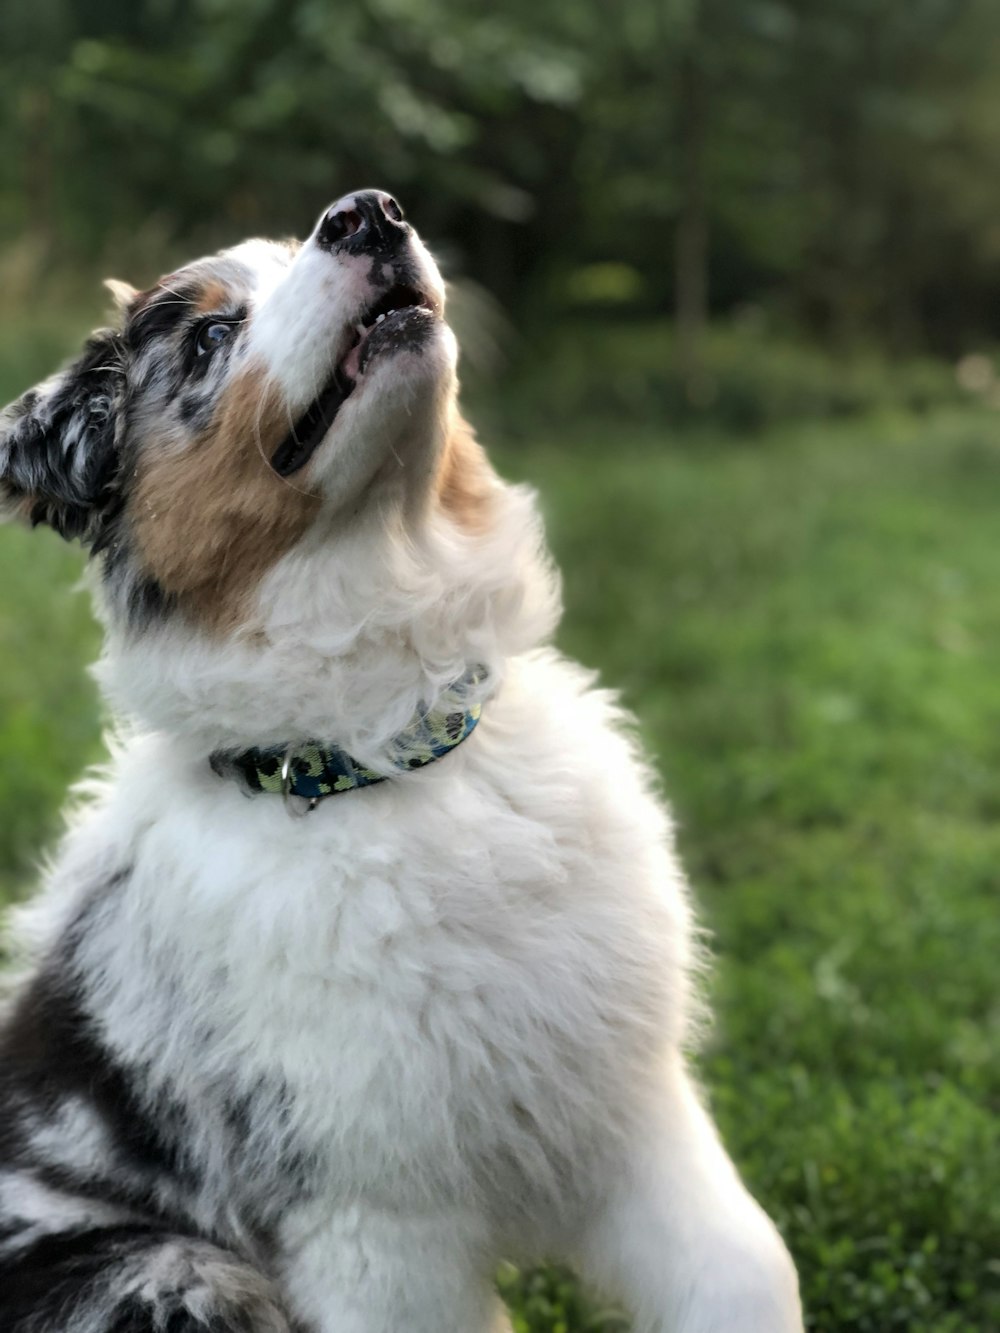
(680, 1241)
(369, 1270)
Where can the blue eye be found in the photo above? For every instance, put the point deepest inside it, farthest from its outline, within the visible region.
(211, 336)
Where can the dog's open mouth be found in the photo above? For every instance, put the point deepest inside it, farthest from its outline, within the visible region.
(394, 320)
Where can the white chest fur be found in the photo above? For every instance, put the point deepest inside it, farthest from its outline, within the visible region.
(437, 985)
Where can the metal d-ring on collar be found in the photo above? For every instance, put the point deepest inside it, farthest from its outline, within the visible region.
(286, 789)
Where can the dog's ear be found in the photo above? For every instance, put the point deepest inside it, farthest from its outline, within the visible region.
(122, 293)
(59, 443)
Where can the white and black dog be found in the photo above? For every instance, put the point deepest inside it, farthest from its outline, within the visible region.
(333, 997)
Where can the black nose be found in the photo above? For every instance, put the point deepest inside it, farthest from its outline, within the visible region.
(365, 222)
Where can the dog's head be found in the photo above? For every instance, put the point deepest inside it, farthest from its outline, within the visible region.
(245, 398)
(264, 424)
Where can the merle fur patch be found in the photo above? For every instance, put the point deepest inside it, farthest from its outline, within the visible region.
(133, 1279)
(58, 443)
(99, 1190)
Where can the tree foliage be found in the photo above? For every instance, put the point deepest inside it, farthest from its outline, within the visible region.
(830, 162)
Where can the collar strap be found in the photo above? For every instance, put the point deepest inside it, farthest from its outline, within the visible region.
(314, 770)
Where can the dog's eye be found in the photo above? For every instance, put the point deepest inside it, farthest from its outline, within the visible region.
(211, 336)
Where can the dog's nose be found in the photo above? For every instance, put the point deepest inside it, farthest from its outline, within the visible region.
(365, 221)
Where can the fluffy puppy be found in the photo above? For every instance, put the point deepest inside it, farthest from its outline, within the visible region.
(333, 997)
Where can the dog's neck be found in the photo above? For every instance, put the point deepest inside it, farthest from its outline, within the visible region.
(349, 636)
(313, 772)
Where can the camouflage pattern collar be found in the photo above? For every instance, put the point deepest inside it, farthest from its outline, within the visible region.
(315, 770)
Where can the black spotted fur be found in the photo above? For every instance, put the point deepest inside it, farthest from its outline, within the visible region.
(130, 1210)
(59, 452)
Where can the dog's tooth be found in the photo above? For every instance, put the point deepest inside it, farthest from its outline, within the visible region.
(380, 319)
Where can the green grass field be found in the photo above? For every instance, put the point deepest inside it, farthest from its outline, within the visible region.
(808, 627)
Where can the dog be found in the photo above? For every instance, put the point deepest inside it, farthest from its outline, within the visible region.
(367, 962)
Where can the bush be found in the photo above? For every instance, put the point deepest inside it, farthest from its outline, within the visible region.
(630, 372)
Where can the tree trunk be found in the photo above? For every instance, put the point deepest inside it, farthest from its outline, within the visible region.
(36, 123)
(691, 239)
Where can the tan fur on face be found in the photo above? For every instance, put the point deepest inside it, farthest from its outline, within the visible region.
(466, 482)
(210, 519)
(213, 296)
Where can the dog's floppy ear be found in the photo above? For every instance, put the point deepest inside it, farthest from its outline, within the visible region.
(59, 443)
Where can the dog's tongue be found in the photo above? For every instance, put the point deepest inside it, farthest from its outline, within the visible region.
(351, 364)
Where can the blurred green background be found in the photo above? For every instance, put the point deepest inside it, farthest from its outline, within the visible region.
(727, 277)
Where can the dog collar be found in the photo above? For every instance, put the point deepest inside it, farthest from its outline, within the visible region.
(314, 770)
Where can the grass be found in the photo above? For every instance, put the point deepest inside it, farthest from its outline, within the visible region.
(809, 630)
(808, 627)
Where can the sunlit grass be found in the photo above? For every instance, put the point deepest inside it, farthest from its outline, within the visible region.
(809, 631)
